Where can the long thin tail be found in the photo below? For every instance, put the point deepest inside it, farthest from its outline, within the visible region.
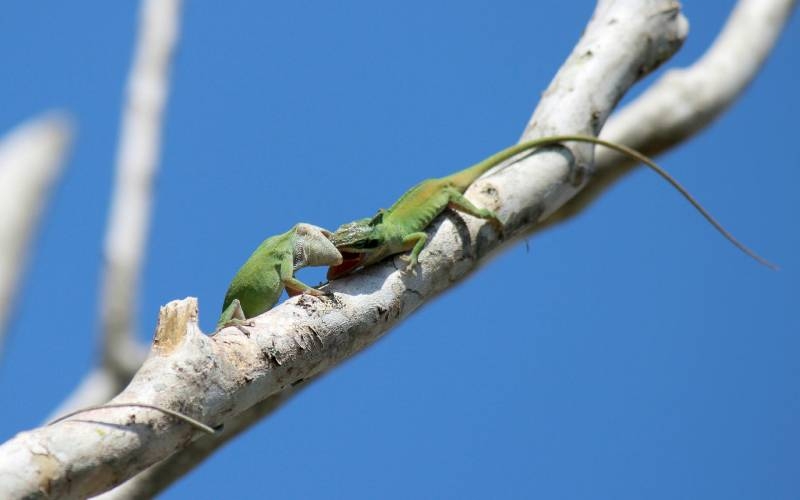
(478, 169)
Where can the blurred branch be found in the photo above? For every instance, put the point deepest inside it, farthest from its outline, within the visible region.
(216, 378)
(31, 157)
(137, 162)
(684, 101)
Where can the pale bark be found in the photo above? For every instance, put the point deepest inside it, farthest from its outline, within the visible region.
(31, 157)
(686, 100)
(216, 378)
(161, 475)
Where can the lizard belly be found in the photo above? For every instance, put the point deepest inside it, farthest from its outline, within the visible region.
(259, 299)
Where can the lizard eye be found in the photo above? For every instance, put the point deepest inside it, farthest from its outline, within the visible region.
(367, 244)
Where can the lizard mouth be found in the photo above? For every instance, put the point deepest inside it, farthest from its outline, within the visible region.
(350, 262)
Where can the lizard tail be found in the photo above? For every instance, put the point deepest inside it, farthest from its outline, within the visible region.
(682, 190)
(472, 173)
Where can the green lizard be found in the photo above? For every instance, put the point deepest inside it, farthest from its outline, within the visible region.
(402, 226)
(258, 284)
(256, 287)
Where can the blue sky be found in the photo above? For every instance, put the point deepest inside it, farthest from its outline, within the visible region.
(636, 354)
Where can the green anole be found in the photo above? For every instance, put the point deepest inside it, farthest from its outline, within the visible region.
(258, 284)
(256, 287)
(402, 226)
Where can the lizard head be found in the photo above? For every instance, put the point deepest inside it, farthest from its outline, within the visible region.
(313, 247)
(359, 242)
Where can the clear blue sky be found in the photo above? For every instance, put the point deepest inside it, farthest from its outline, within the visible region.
(629, 354)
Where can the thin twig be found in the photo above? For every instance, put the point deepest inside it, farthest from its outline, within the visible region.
(180, 416)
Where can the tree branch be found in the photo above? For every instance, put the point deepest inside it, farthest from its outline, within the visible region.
(161, 475)
(215, 378)
(137, 162)
(685, 101)
(31, 157)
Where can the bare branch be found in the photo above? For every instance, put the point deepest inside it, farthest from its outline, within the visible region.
(215, 378)
(160, 476)
(31, 157)
(684, 101)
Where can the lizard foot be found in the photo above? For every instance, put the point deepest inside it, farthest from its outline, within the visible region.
(411, 264)
(314, 292)
(240, 325)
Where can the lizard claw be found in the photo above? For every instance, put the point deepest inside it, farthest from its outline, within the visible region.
(240, 325)
(322, 293)
(411, 264)
(244, 330)
(314, 292)
(325, 293)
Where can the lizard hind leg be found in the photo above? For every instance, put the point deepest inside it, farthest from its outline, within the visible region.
(460, 203)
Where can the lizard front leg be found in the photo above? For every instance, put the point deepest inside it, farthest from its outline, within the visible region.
(233, 315)
(295, 287)
(415, 241)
